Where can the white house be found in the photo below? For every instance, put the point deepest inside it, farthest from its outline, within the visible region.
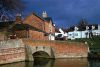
(83, 34)
(61, 34)
(51, 37)
(78, 34)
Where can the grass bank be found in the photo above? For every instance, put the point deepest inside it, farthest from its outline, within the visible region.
(93, 43)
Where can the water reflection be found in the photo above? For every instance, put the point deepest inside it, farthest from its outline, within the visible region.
(94, 63)
(20, 64)
(57, 63)
(71, 63)
(42, 63)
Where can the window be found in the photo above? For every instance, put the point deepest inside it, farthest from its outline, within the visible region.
(75, 34)
(69, 34)
(94, 33)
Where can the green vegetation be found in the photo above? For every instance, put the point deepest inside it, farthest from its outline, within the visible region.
(94, 42)
(94, 45)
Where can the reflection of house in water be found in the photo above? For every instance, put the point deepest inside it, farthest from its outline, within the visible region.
(88, 32)
(33, 26)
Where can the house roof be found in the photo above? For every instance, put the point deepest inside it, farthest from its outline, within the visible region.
(5, 24)
(38, 16)
(96, 26)
(84, 27)
(44, 19)
(25, 27)
(48, 19)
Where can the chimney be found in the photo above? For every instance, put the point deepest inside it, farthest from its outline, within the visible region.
(18, 18)
(75, 28)
(93, 27)
(44, 14)
(87, 27)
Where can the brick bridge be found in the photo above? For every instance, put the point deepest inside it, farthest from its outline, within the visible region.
(56, 49)
(21, 50)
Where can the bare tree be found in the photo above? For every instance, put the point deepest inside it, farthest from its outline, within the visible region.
(82, 24)
(10, 6)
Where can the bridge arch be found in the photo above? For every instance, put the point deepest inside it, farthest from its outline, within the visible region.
(41, 54)
(33, 51)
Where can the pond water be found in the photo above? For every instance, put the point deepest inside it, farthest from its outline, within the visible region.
(56, 63)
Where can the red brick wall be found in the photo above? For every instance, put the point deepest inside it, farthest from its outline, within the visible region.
(12, 55)
(18, 19)
(34, 21)
(39, 23)
(53, 29)
(2, 36)
(48, 27)
(35, 35)
(21, 33)
(12, 51)
(63, 48)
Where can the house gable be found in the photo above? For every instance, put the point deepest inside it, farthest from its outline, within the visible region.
(34, 21)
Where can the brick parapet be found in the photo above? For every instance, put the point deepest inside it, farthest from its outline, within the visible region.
(12, 51)
(15, 50)
(63, 50)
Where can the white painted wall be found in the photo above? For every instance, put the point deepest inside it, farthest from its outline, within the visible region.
(64, 34)
(51, 37)
(74, 34)
(81, 34)
(96, 32)
(61, 31)
(98, 27)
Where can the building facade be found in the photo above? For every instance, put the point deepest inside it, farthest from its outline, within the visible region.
(88, 33)
(33, 26)
(37, 28)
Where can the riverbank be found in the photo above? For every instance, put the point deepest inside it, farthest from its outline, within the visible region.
(94, 45)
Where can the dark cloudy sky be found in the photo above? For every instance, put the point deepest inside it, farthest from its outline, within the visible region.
(66, 12)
